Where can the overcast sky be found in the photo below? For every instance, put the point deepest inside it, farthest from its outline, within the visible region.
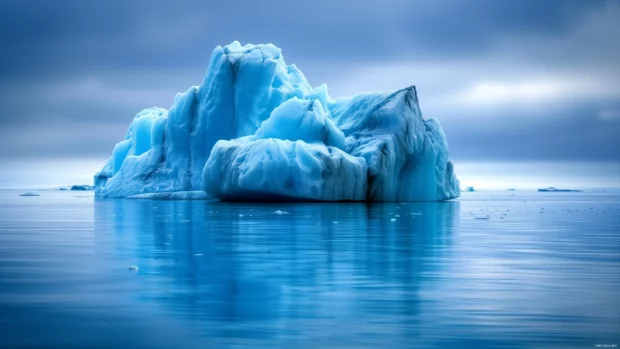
(511, 80)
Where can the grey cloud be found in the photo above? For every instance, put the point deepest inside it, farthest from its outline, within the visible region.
(67, 36)
(570, 133)
(73, 73)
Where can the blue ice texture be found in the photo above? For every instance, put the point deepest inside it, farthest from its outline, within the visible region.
(176, 195)
(255, 130)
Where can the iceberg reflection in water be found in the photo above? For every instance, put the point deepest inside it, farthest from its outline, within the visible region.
(248, 273)
(541, 270)
(247, 262)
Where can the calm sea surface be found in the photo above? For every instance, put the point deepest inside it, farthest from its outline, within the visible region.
(490, 270)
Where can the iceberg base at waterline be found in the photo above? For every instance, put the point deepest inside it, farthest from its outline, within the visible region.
(177, 195)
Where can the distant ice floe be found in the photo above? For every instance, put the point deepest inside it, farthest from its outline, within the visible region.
(29, 194)
(82, 187)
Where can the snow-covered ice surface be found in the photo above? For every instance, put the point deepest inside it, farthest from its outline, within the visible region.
(256, 130)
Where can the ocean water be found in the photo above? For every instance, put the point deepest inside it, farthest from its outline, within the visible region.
(490, 270)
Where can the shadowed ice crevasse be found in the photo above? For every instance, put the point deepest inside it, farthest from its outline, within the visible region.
(256, 130)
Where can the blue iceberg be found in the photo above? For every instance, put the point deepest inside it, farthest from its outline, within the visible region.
(256, 130)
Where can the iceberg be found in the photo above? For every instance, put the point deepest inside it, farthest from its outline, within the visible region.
(255, 130)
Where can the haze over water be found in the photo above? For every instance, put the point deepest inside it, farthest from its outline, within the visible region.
(485, 175)
(490, 270)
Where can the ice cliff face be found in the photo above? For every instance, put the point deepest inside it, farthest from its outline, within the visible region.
(256, 130)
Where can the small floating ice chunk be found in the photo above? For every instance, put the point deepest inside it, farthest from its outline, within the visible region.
(197, 254)
(29, 194)
(133, 268)
(280, 212)
(393, 219)
(482, 218)
(82, 187)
